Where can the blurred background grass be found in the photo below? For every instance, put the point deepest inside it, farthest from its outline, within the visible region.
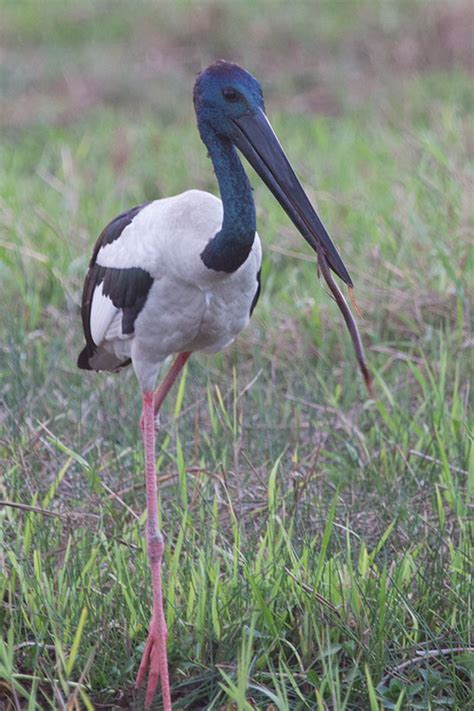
(280, 483)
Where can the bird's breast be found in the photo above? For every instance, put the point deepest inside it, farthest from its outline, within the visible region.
(194, 310)
(189, 306)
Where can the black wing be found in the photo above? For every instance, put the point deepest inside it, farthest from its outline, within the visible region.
(127, 289)
(257, 291)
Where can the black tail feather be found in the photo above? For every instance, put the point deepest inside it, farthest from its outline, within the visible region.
(83, 359)
(94, 360)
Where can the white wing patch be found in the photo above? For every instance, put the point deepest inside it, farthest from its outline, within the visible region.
(102, 314)
(105, 319)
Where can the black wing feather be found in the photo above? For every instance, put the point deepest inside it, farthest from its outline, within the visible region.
(127, 288)
(257, 292)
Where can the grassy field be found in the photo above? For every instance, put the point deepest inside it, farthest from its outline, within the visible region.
(319, 545)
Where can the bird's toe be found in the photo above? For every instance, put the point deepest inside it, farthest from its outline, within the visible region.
(154, 664)
(153, 675)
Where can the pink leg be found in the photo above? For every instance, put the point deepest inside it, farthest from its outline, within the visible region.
(170, 377)
(154, 659)
(167, 382)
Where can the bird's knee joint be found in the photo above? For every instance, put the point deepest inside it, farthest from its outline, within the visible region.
(155, 546)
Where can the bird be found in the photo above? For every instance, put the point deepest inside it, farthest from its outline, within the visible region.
(182, 274)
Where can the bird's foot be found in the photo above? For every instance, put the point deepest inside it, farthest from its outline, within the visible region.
(155, 663)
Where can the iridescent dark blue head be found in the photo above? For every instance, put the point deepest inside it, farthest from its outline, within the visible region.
(223, 93)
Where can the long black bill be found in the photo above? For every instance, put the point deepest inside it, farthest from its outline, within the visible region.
(255, 138)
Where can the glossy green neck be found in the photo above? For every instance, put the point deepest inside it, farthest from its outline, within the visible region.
(230, 247)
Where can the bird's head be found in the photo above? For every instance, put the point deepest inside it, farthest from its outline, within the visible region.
(223, 94)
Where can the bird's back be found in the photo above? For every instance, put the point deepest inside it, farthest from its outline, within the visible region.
(163, 232)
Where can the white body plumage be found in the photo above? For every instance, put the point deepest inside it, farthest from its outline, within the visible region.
(188, 306)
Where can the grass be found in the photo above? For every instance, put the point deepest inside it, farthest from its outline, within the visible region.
(319, 545)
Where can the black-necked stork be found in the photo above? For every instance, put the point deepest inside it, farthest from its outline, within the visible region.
(182, 274)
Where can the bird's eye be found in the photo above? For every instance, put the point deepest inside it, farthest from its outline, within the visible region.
(230, 94)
